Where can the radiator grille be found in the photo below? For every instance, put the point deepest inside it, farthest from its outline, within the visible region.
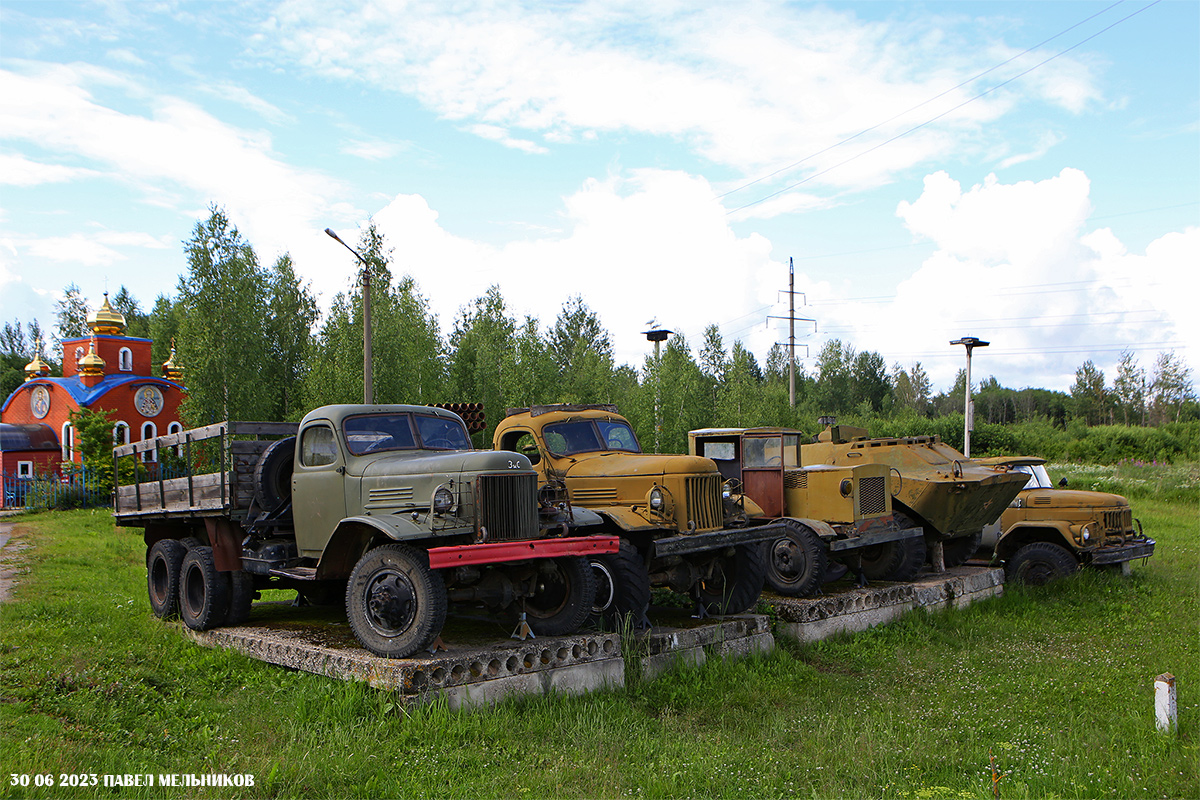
(797, 479)
(872, 496)
(704, 502)
(507, 506)
(1118, 521)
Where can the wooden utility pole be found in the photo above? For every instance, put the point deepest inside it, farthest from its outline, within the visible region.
(368, 369)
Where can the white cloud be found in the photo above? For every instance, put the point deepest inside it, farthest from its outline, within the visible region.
(753, 86)
(247, 99)
(1016, 266)
(1043, 146)
(650, 244)
(16, 170)
(373, 149)
(180, 156)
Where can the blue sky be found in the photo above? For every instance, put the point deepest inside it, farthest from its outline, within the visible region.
(1028, 173)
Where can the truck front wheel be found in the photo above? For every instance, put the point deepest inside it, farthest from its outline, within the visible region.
(1038, 563)
(163, 563)
(956, 551)
(563, 593)
(797, 562)
(396, 604)
(622, 587)
(736, 580)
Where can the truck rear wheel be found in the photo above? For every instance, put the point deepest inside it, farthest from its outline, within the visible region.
(241, 597)
(395, 603)
(562, 599)
(203, 592)
(622, 587)
(1038, 563)
(894, 561)
(956, 551)
(797, 563)
(163, 563)
(736, 580)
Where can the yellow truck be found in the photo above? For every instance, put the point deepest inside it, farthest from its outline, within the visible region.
(1048, 532)
(678, 528)
(838, 514)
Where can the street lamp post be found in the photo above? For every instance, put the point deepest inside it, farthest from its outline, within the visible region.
(368, 371)
(658, 336)
(970, 342)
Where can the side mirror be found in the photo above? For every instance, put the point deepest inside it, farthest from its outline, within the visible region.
(1062, 483)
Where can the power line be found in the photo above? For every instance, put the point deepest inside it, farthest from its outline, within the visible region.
(943, 114)
(972, 79)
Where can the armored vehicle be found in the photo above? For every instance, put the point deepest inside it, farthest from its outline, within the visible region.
(676, 528)
(385, 505)
(1049, 532)
(829, 513)
(934, 487)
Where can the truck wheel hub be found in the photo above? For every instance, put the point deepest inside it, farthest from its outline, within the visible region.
(391, 602)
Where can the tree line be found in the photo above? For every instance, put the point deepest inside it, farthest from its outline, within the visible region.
(253, 345)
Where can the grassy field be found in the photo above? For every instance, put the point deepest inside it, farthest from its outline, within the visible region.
(1055, 683)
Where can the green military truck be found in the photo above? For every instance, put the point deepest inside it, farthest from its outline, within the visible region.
(676, 526)
(385, 505)
(1049, 532)
(839, 514)
(934, 487)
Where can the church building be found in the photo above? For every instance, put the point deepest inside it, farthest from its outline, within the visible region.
(105, 371)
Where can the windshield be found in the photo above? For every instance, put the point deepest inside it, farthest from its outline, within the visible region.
(442, 433)
(589, 436)
(1038, 477)
(375, 432)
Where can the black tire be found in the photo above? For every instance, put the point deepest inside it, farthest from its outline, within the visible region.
(241, 597)
(796, 562)
(203, 592)
(163, 564)
(1038, 563)
(273, 474)
(191, 542)
(894, 561)
(736, 581)
(956, 551)
(562, 600)
(395, 603)
(622, 587)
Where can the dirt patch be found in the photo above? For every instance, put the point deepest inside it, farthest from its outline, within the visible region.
(11, 562)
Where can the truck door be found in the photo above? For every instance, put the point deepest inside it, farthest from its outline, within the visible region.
(522, 440)
(318, 488)
(762, 472)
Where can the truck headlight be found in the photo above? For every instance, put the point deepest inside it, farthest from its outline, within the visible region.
(1087, 532)
(729, 488)
(443, 500)
(846, 487)
(657, 502)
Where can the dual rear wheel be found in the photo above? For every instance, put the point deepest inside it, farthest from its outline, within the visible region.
(182, 580)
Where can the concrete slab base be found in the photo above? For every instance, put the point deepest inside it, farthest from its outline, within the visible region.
(471, 673)
(849, 610)
(479, 666)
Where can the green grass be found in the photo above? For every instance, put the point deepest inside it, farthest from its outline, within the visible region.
(1056, 682)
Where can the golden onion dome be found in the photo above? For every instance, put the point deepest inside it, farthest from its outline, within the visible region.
(36, 368)
(91, 364)
(106, 320)
(170, 370)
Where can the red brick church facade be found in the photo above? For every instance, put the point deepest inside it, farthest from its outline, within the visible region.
(105, 371)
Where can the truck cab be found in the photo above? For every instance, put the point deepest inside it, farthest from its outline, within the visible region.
(1049, 531)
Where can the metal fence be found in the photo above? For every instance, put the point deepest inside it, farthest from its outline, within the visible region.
(75, 487)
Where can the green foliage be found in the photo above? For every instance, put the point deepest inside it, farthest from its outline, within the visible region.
(223, 334)
(94, 438)
(407, 348)
(70, 314)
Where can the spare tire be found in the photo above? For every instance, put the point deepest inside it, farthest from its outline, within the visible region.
(273, 474)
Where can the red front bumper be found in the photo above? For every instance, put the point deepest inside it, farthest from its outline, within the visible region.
(497, 552)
